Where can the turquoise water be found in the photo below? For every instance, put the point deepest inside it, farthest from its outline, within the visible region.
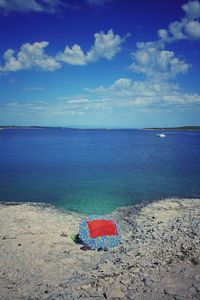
(95, 171)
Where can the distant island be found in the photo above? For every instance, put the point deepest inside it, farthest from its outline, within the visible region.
(23, 127)
(194, 128)
(3, 127)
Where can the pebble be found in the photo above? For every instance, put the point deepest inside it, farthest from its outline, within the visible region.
(115, 293)
(85, 287)
(147, 282)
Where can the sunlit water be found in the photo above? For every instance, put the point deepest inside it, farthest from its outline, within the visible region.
(95, 171)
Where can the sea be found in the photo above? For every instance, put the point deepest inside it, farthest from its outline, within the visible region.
(94, 171)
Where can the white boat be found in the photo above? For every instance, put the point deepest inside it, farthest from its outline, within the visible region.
(162, 135)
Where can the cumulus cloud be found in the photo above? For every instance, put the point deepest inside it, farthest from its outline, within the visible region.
(49, 6)
(192, 9)
(188, 28)
(30, 56)
(73, 55)
(106, 45)
(33, 56)
(152, 60)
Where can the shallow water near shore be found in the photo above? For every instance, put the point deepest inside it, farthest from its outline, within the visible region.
(95, 171)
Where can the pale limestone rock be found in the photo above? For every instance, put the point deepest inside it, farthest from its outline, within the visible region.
(115, 293)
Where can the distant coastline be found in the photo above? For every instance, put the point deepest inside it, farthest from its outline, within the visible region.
(25, 127)
(184, 128)
(61, 127)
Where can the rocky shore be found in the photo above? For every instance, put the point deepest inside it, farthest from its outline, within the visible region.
(159, 255)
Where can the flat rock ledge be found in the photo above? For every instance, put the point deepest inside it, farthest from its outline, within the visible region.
(158, 259)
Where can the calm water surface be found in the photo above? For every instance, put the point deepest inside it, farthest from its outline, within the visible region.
(95, 171)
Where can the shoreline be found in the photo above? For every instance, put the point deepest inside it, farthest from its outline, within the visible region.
(63, 210)
(158, 258)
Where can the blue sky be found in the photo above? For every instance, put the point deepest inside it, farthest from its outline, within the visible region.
(100, 63)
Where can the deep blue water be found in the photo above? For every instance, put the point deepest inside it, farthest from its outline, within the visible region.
(95, 171)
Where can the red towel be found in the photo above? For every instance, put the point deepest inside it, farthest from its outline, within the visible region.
(101, 228)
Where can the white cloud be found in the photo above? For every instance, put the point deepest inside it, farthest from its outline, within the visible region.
(128, 88)
(183, 98)
(152, 60)
(106, 45)
(48, 6)
(30, 56)
(123, 95)
(188, 28)
(33, 56)
(76, 105)
(181, 30)
(127, 92)
(73, 56)
(192, 9)
(192, 29)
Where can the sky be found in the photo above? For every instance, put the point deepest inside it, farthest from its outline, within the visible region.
(100, 63)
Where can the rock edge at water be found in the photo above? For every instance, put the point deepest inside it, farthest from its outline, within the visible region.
(159, 257)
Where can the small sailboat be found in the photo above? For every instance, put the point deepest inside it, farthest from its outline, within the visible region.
(162, 135)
